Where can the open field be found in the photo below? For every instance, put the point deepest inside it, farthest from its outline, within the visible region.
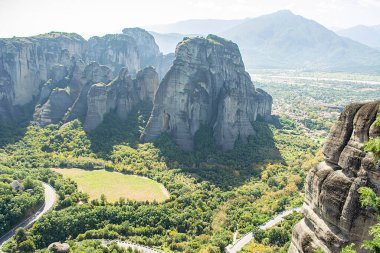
(115, 185)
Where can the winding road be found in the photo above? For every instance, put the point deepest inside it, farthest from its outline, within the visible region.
(50, 199)
(236, 246)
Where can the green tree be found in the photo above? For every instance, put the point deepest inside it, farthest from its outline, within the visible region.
(348, 249)
(20, 235)
(27, 246)
(369, 198)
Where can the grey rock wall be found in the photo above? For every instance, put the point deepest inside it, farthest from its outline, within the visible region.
(207, 84)
(333, 214)
(31, 68)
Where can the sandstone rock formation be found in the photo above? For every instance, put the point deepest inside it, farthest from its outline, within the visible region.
(80, 83)
(121, 95)
(31, 68)
(146, 45)
(69, 90)
(333, 214)
(58, 247)
(207, 84)
(91, 95)
(55, 107)
(25, 63)
(149, 52)
(114, 50)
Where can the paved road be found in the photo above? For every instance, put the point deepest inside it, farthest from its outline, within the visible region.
(50, 199)
(134, 246)
(245, 239)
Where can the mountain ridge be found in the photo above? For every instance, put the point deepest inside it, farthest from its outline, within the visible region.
(368, 35)
(283, 40)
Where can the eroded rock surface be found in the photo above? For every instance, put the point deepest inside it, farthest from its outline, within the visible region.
(26, 63)
(146, 45)
(207, 84)
(114, 50)
(31, 68)
(55, 107)
(120, 95)
(332, 210)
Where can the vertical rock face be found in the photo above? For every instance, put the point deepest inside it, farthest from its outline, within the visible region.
(114, 50)
(207, 84)
(121, 95)
(55, 107)
(31, 68)
(146, 83)
(61, 93)
(26, 62)
(92, 94)
(149, 52)
(146, 45)
(332, 210)
(80, 83)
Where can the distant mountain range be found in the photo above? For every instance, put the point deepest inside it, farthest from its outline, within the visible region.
(281, 40)
(368, 35)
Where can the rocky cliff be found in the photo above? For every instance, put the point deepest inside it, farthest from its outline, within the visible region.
(114, 50)
(25, 63)
(146, 45)
(121, 95)
(72, 87)
(94, 94)
(207, 84)
(333, 214)
(56, 70)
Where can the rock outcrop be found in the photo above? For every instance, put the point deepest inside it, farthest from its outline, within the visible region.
(55, 107)
(31, 68)
(332, 210)
(114, 50)
(58, 247)
(92, 95)
(207, 84)
(121, 95)
(69, 91)
(25, 63)
(146, 45)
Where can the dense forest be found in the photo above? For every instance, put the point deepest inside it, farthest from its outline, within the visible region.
(212, 193)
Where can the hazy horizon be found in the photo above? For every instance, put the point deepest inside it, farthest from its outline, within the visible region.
(96, 17)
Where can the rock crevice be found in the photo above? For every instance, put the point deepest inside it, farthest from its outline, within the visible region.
(207, 84)
(32, 67)
(333, 214)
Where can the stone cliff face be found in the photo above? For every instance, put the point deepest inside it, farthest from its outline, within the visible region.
(27, 62)
(37, 69)
(333, 214)
(92, 95)
(146, 45)
(62, 93)
(114, 50)
(121, 95)
(207, 84)
(149, 52)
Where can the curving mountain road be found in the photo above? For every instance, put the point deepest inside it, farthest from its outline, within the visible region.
(245, 239)
(50, 199)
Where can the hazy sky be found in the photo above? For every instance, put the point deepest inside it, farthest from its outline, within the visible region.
(97, 17)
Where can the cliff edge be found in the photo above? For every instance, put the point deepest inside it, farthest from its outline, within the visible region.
(333, 216)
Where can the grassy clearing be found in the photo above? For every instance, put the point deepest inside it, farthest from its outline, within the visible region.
(115, 185)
